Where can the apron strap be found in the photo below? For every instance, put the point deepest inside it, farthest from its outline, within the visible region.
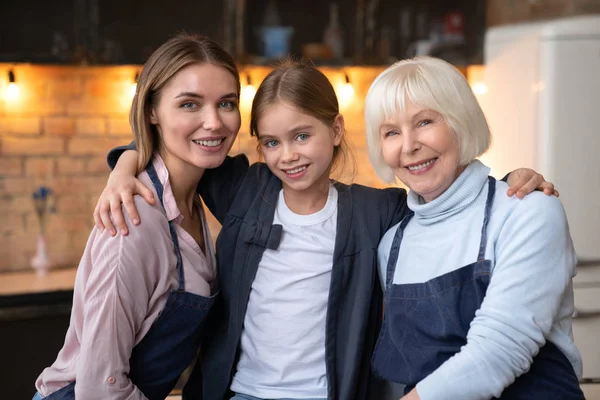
(486, 218)
(395, 250)
(159, 191)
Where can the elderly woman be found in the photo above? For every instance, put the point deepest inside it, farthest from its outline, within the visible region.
(479, 296)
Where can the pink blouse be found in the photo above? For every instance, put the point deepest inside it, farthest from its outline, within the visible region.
(122, 284)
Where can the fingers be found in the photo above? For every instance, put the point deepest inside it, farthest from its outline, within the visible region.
(145, 192)
(103, 210)
(548, 188)
(97, 219)
(130, 207)
(131, 211)
(517, 185)
(530, 185)
(116, 212)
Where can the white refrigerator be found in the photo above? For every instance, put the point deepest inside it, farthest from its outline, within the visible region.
(543, 105)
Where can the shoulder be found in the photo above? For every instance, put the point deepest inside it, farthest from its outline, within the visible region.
(260, 169)
(373, 210)
(383, 207)
(367, 194)
(535, 226)
(231, 169)
(258, 177)
(130, 265)
(536, 208)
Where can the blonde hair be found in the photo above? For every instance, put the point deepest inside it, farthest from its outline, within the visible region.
(300, 84)
(170, 58)
(433, 84)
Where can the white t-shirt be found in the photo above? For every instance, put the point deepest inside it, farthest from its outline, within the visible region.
(283, 339)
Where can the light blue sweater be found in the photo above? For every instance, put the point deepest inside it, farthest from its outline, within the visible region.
(530, 297)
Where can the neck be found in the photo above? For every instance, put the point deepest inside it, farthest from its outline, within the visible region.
(184, 179)
(308, 201)
(428, 199)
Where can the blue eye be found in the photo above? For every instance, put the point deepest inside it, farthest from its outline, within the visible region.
(391, 133)
(230, 105)
(188, 105)
(271, 143)
(302, 137)
(425, 122)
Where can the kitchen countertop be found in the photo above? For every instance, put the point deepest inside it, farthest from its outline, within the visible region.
(28, 282)
(25, 294)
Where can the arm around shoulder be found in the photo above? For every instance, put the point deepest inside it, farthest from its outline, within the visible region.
(220, 185)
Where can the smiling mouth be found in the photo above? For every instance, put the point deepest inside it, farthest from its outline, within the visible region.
(209, 143)
(295, 170)
(421, 166)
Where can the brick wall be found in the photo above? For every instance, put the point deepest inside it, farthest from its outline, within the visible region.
(57, 132)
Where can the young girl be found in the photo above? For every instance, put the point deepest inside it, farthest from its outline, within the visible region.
(301, 304)
(140, 300)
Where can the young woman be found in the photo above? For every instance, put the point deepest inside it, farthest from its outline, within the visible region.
(140, 301)
(301, 305)
(478, 285)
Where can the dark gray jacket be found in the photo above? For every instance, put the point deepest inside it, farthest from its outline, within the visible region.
(243, 199)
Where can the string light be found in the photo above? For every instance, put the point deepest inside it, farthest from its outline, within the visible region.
(479, 88)
(134, 84)
(345, 91)
(12, 90)
(248, 92)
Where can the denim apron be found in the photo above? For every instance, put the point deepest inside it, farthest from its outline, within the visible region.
(427, 323)
(170, 345)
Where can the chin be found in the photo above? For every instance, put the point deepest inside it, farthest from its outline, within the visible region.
(298, 186)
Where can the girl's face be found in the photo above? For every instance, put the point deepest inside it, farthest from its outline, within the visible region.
(297, 147)
(421, 149)
(197, 117)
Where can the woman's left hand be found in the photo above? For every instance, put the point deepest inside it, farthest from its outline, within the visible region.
(523, 181)
(412, 395)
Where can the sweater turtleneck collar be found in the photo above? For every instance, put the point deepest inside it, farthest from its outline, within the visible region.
(463, 191)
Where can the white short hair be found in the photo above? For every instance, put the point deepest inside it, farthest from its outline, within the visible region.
(435, 85)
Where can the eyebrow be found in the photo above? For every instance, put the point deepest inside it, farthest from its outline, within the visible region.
(295, 129)
(300, 128)
(385, 127)
(199, 96)
(418, 115)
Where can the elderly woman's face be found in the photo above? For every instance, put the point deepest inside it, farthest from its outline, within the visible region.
(419, 146)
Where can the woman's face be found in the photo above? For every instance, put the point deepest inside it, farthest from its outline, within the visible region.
(197, 117)
(421, 149)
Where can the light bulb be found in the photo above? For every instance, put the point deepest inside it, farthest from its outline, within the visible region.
(247, 93)
(479, 88)
(134, 84)
(12, 91)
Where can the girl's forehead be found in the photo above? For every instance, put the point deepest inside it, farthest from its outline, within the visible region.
(282, 112)
(281, 118)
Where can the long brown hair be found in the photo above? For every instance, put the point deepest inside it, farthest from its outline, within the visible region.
(300, 84)
(175, 54)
